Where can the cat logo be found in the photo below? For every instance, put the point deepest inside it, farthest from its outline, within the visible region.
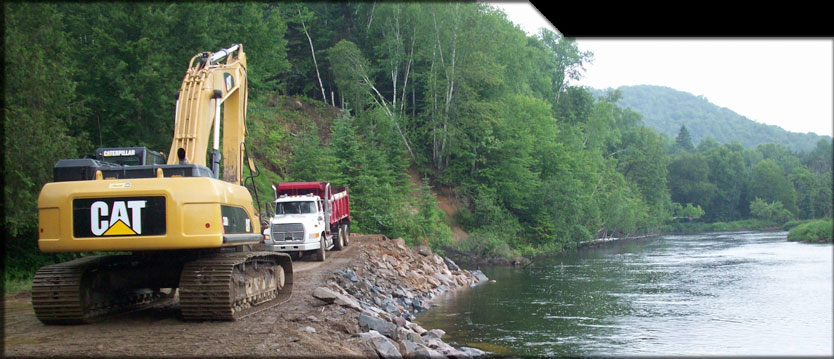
(123, 219)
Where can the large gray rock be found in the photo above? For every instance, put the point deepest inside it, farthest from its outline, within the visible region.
(479, 275)
(391, 307)
(382, 345)
(473, 352)
(349, 274)
(384, 327)
(439, 345)
(400, 321)
(456, 354)
(416, 328)
(330, 296)
(409, 348)
(423, 250)
(424, 352)
(450, 264)
(434, 333)
(416, 338)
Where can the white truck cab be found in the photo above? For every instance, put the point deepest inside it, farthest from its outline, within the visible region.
(298, 226)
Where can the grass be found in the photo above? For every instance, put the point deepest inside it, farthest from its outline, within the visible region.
(820, 231)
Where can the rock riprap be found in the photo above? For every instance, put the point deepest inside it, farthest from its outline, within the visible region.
(387, 287)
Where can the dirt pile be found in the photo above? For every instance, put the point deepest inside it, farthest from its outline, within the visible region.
(387, 286)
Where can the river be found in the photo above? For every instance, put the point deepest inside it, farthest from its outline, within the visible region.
(729, 293)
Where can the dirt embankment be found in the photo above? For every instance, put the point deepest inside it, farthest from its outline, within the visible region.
(370, 292)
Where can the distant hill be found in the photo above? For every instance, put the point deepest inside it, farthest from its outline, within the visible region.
(665, 110)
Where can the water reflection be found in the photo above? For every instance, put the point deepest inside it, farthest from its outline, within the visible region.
(716, 294)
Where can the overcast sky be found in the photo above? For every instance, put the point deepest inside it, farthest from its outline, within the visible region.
(783, 82)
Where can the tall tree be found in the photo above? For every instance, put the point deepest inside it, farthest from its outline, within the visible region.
(728, 174)
(41, 117)
(688, 180)
(684, 140)
(770, 184)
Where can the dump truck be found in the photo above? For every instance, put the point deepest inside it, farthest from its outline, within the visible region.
(310, 217)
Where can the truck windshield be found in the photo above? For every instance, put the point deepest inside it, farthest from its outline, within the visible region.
(295, 207)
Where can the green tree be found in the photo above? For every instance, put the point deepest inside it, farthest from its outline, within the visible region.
(805, 183)
(350, 72)
(42, 113)
(769, 211)
(770, 184)
(728, 174)
(643, 162)
(684, 140)
(430, 221)
(310, 161)
(688, 180)
(691, 212)
(820, 159)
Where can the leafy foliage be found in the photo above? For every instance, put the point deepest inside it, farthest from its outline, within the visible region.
(41, 110)
(773, 211)
(814, 231)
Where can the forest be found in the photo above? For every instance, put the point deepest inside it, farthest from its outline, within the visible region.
(666, 110)
(452, 92)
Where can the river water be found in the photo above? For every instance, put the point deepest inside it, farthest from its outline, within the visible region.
(729, 293)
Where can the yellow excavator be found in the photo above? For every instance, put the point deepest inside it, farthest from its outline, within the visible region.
(187, 226)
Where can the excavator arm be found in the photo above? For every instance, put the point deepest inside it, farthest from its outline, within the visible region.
(212, 100)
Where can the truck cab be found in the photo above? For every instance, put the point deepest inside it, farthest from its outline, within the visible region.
(309, 218)
(298, 225)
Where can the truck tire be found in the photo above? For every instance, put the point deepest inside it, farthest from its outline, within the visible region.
(321, 254)
(339, 239)
(346, 232)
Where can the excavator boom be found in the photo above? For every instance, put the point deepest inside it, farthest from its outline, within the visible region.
(212, 87)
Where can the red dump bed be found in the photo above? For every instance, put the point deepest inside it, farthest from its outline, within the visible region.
(338, 197)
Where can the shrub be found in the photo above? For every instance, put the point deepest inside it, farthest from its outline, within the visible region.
(769, 211)
(486, 244)
(793, 223)
(821, 230)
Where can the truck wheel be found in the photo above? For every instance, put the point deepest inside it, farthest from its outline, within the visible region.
(321, 254)
(346, 232)
(339, 240)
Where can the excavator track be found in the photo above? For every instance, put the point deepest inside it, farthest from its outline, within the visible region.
(84, 290)
(230, 286)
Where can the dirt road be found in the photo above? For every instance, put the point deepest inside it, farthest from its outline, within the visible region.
(304, 326)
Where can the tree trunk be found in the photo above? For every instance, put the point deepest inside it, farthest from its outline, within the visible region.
(313, 51)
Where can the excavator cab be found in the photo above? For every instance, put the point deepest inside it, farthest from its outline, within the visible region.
(129, 156)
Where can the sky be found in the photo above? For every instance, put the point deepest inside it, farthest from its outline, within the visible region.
(784, 82)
